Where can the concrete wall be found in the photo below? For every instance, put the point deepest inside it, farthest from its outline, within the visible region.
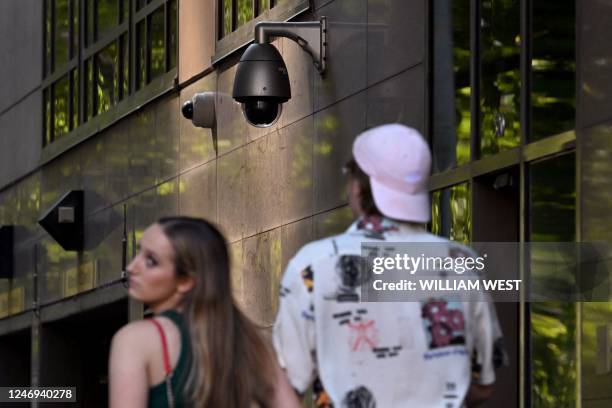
(20, 95)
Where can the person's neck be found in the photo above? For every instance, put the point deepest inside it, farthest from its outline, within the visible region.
(168, 304)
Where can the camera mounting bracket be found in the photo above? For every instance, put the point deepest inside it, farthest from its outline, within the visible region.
(311, 36)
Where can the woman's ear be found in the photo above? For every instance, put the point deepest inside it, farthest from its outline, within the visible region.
(185, 283)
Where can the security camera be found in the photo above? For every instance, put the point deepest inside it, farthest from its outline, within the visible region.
(262, 85)
(200, 109)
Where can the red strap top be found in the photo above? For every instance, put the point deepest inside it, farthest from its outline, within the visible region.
(167, 366)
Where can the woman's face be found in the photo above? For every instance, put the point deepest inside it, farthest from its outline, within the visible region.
(152, 275)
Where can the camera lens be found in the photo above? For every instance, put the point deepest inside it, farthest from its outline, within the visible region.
(187, 110)
(262, 113)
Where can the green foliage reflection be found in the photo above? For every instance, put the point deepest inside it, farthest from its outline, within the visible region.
(158, 51)
(553, 323)
(553, 67)
(500, 76)
(451, 213)
(245, 11)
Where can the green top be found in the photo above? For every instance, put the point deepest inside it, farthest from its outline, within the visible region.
(158, 397)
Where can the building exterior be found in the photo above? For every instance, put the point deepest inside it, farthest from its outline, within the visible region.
(514, 97)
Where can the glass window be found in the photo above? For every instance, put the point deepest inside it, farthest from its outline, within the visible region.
(108, 16)
(553, 323)
(452, 88)
(236, 13)
(62, 32)
(89, 89)
(451, 213)
(553, 68)
(105, 61)
(48, 40)
(107, 77)
(499, 75)
(141, 56)
(74, 105)
(47, 116)
(124, 66)
(158, 47)
(245, 11)
(172, 40)
(61, 110)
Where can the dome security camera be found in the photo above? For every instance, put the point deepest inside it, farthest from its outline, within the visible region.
(200, 109)
(261, 84)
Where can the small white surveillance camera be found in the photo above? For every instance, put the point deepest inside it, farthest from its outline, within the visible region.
(200, 109)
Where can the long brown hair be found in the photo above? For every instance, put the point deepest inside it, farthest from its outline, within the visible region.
(231, 365)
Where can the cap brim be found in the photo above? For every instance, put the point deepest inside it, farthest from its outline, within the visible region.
(400, 205)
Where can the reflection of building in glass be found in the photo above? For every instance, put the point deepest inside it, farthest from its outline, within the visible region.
(513, 96)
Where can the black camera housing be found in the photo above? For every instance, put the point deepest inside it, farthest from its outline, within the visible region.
(261, 85)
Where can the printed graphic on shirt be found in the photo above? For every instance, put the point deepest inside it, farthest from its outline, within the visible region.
(362, 331)
(283, 291)
(320, 397)
(348, 271)
(444, 323)
(308, 278)
(387, 352)
(360, 397)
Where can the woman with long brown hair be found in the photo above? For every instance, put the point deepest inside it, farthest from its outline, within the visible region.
(199, 349)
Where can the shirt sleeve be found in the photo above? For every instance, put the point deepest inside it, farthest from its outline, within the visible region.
(294, 329)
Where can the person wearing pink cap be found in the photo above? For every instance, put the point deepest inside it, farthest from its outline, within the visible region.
(381, 354)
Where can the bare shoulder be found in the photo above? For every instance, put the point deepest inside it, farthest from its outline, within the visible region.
(134, 334)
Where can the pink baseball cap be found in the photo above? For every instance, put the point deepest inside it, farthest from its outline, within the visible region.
(398, 161)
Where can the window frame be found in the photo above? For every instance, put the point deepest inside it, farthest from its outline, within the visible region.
(521, 156)
(128, 19)
(243, 35)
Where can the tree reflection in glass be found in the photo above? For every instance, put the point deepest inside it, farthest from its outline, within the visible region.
(553, 68)
(451, 213)
(452, 89)
(141, 68)
(245, 11)
(158, 50)
(107, 76)
(62, 33)
(499, 75)
(47, 116)
(172, 38)
(263, 5)
(553, 323)
(108, 16)
(60, 107)
(227, 17)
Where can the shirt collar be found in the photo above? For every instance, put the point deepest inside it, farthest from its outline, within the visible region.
(376, 224)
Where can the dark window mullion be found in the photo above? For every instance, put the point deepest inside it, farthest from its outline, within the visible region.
(94, 22)
(256, 8)
(475, 74)
(526, 58)
(234, 15)
(220, 19)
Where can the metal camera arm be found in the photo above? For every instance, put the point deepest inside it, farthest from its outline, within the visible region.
(311, 36)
